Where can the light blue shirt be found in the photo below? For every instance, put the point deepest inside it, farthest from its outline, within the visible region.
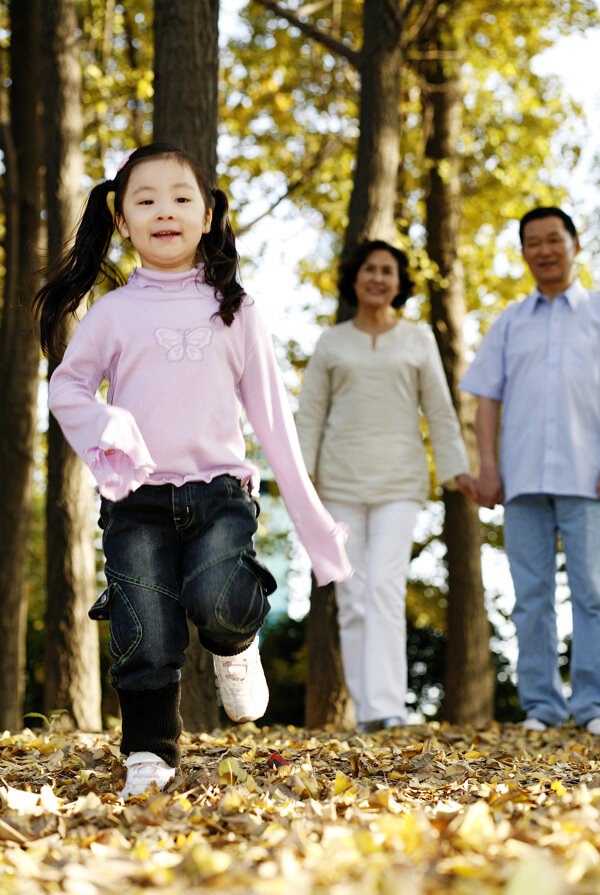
(541, 359)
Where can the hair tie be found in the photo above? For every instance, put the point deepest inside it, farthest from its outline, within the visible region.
(125, 160)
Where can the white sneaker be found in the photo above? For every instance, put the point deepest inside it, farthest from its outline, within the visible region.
(144, 769)
(593, 726)
(534, 724)
(242, 684)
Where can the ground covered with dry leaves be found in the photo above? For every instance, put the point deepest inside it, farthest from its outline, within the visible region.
(428, 809)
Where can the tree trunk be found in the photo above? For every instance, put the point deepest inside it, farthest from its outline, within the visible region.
(19, 346)
(371, 216)
(72, 680)
(469, 684)
(371, 210)
(186, 78)
(327, 698)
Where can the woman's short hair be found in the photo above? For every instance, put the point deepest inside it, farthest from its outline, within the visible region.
(350, 266)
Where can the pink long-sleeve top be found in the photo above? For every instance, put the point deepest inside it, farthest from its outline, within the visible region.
(179, 381)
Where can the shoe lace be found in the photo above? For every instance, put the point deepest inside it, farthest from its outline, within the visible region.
(145, 767)
(236, 669)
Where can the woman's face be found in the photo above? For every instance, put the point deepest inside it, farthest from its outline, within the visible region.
(377, 282)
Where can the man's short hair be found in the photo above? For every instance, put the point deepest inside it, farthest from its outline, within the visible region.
(547, 212)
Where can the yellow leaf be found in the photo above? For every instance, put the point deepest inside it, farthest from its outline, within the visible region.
(535, 874)
(93, 71)
(342, 783)
(369, 843)
(385, 799)
(476, 829)
(584, 859)
(206, 861)
(231, 772)
(232, 801)
(250, 784)
(558, 788)
(157, 803)
(144, 89)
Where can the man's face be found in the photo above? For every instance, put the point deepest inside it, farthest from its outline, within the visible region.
(549, 251)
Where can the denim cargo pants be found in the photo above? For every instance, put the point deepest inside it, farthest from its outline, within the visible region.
(172, 553)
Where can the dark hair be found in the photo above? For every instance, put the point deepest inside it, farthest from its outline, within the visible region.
(87, 260)
(351, 265)
(547, 212)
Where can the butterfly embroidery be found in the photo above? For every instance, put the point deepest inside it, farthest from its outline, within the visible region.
(182, 343)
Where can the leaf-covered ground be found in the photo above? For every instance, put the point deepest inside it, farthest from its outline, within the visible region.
(429, 809)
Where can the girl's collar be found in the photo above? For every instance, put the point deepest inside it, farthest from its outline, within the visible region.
(165, 280)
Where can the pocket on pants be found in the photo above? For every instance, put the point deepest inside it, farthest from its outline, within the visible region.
(125, 626)
(243, 605)
(100, 611)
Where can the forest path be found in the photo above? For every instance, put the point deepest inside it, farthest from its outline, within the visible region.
(421, 810)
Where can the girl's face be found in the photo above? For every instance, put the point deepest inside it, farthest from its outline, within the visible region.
(164, 214)
(377, 282)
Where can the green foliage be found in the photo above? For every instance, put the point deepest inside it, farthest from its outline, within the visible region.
(116, 59)
(283, 655)
(290, 114)
(289, 129)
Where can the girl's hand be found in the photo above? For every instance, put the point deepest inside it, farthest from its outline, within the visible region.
(467, 486)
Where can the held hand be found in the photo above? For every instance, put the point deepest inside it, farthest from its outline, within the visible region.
(489, 488)
(467, 486)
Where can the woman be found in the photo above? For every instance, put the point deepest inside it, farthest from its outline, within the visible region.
(360, 430)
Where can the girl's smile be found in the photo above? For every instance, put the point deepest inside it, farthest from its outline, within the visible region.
(164, 214)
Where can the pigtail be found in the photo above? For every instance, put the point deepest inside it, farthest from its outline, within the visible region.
(218, 252)
(75, 275)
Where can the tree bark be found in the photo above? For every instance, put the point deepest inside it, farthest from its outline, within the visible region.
(19, 347)
(72, 678)
(328, 701)
(469, 683)
(186, 78)
(372, 203)
(370, 216)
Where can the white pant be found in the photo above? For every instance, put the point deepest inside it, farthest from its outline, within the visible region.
(371, 605)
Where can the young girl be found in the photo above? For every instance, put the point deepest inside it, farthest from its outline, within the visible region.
(185, 351)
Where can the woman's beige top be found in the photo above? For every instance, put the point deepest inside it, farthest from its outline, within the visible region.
(359, 420)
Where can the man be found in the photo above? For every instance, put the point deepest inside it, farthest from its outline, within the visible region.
(540, 364)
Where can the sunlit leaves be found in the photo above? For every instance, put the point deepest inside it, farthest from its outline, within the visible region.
(431, 809)
(289, 102)
(290, 113)
(116, 55)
